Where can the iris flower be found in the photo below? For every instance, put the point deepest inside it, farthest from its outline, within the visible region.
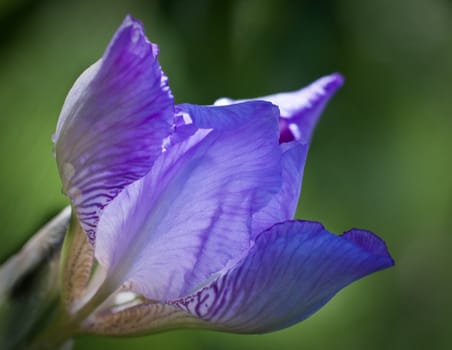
(189, 209)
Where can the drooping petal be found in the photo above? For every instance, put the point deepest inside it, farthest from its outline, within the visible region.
(293, 269)
(113, 123)
(301, 109)
(190, 216)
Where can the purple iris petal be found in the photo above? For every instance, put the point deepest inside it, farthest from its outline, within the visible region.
(113, 123)
(283, 205)
(189, 118)
(301, 109)
(199, 197)
(190, 216)
(293, 269)
(222, 117)
(299, 113)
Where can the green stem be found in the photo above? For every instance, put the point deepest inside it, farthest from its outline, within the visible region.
(57, 332)
(64, 326)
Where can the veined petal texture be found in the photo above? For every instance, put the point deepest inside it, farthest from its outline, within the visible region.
(293, 269)
(113, 123)
(190, 216)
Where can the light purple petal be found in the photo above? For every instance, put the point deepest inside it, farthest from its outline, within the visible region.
(220, 117)
(189, 118)
(293, 269)
(299, 113)
(190, 216)
(113, 123)
(301, 109)
(283, 205)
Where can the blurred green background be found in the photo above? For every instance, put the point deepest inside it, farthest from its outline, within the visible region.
(380, 158)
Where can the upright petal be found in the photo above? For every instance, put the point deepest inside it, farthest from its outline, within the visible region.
(293, 269)
(190, 216)
(113, 123)
(283, 205)
(299, 113)
(301, 109)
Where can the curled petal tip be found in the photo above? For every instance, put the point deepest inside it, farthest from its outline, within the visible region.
(369, 242)
(131, 35)
(131, 22)
(130, 19)
(336, 81)
(329, 84)
(137, 33)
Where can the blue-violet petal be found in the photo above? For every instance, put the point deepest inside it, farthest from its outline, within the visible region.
(293, 269)
(190, 216)
(113, 123)
(301, 109)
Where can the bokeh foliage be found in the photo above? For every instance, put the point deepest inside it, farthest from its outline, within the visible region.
(380, 159)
